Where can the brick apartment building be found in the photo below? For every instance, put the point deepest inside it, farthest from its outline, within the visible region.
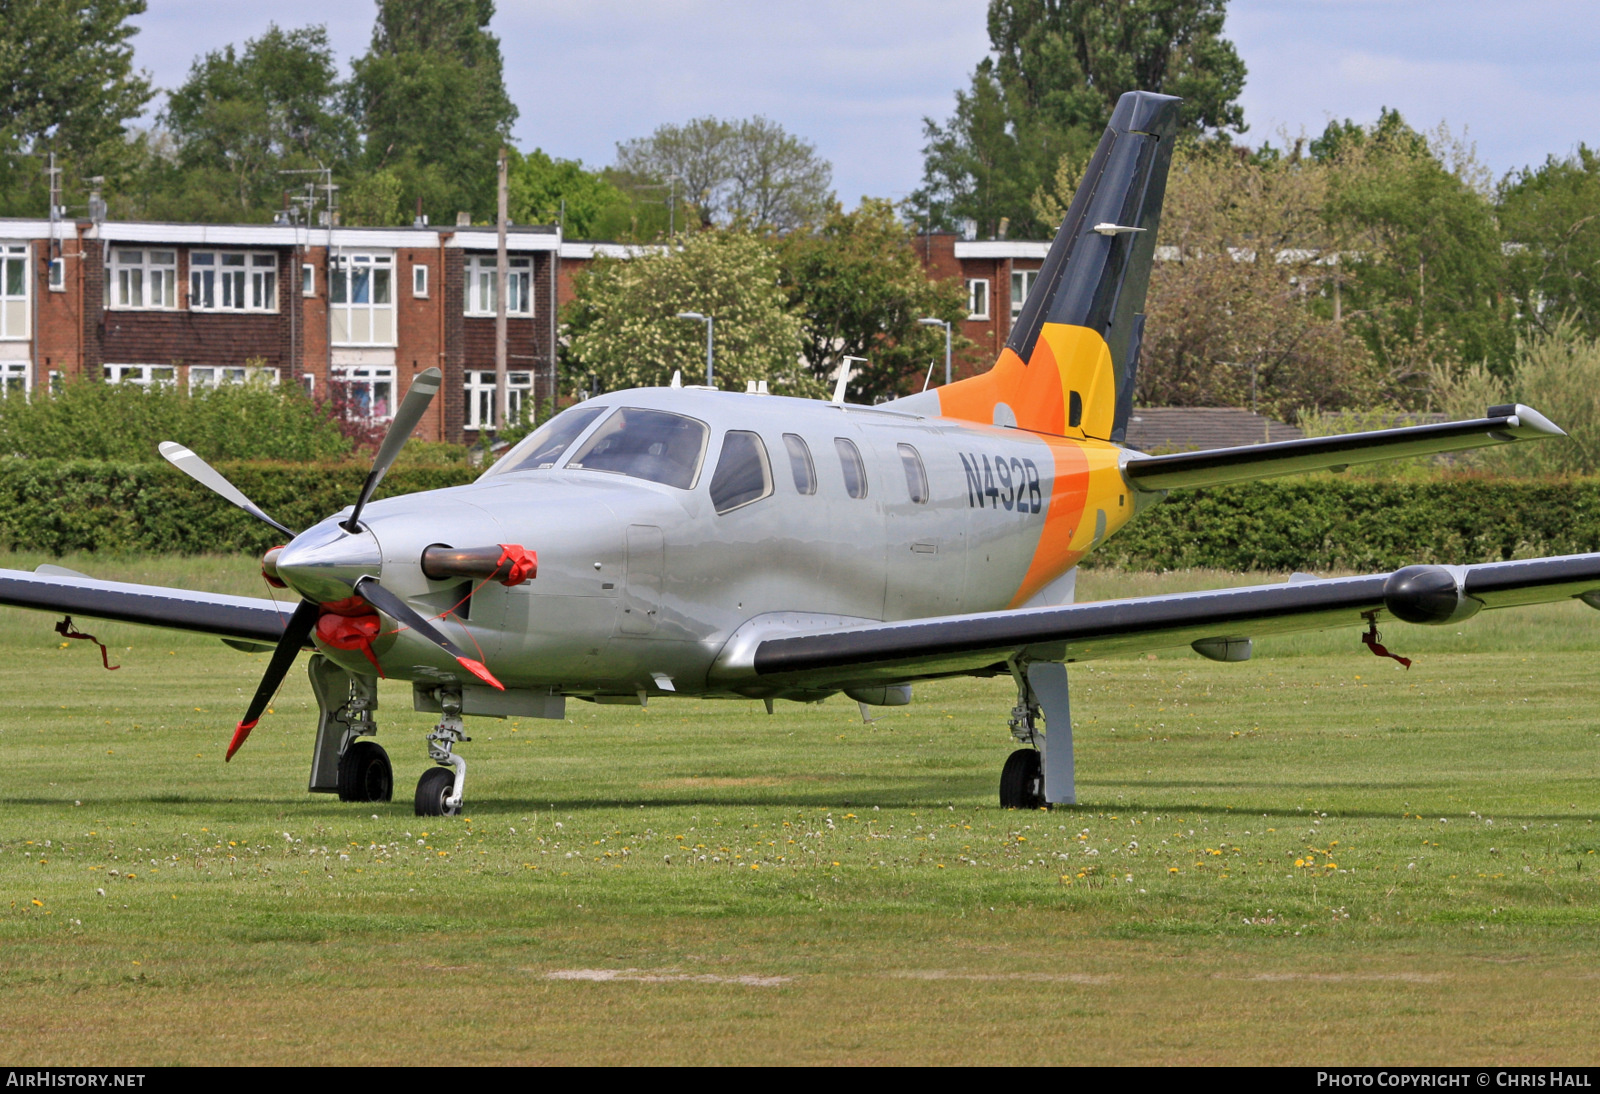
(196, 305)
(366, 308)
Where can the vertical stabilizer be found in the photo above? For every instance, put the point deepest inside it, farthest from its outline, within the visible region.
(1068, 367)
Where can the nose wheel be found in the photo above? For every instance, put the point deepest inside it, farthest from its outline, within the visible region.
(434, 791)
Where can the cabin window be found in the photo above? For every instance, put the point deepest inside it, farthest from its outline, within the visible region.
(543, 447)
(800, 465)
(743, 474)
(647, 444)
(855, 472)
(916, 475)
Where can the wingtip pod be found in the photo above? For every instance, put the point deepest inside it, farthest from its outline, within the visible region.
(1531, 424)
(478, 669)
(240, 732)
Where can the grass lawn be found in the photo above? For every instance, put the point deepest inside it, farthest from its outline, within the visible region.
(1312, 857)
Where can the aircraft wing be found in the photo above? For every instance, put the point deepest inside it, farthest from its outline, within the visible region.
(238, 617)
(1217, 466)
(881, 653)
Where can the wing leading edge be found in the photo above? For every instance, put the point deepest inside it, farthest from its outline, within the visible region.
(237, 617)
(964, 644)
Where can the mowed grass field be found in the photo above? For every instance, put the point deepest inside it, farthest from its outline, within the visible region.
(1312, 857)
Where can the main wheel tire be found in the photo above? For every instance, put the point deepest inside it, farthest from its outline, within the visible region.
(1022, 780)
(365, 774)
(432, 790)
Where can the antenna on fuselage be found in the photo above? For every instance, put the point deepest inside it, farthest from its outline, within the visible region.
(677, 378)
(928, 379)
(844, 379)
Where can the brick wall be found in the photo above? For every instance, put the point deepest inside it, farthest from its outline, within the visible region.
(58, 335)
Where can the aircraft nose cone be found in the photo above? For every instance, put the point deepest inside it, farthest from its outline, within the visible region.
(324, 563)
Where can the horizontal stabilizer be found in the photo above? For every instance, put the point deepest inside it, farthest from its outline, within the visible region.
(1218, 466)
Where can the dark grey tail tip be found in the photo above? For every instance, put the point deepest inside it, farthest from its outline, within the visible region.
(1146, 112)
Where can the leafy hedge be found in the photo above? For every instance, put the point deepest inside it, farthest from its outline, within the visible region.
(1329, 523)
(83, 505)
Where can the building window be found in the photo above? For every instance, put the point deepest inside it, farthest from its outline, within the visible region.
(419, 281)
(58, 379)
(58, 275)
(366, 391)
(14, 290)
(143, 279)
(1021, 286)
(233, 281)
(977, 298)
(480, 396)
(15, 378)
(361, 296)
(145, 376)
(202, 377)
(480, 285)
(308, 280)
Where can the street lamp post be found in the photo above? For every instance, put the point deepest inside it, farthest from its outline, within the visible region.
(710, 323)
(945, 323)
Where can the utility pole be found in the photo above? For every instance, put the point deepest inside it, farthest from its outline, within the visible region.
(502, 382)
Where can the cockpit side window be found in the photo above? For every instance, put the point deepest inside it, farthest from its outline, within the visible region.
(855, 472)
(647, 444)
(800, 465)
(544, 446)
(743, 472)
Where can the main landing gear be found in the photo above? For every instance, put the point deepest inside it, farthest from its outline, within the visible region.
(439, 790)
(1038, 774)
(356, 770)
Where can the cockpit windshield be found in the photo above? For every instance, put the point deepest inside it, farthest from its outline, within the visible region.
(544, 446)
(647, 444)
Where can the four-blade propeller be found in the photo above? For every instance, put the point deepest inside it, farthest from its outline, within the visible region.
(298, 630)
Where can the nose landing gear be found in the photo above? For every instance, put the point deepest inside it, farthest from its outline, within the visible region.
(439, 791)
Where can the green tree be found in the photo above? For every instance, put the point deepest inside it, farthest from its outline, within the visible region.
(243, 116)
(623, 328)
(1421, 263)
(588, 204)
(750, 171)
(66, 73)
(1551, 216)
(430, 99)
(1057, 70)
(859, 290)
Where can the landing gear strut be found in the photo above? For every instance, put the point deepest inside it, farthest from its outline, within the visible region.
(439, 791)
(1035, 777)
(358, 771)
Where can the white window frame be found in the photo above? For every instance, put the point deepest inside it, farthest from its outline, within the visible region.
(977, 291)
(14, 291)
(240, 281)
(377, 317)
(136, 275)
(308, 279)
(357, 378)
(419, 282)
(15, 376)
(204, 377)
(1021, 287)
(479, 388)
(145, 376)
(480, 281)
(58, 274)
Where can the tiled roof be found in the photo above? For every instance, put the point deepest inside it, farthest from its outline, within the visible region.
(1185, 428)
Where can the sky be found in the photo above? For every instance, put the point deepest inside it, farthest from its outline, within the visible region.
(857, 79)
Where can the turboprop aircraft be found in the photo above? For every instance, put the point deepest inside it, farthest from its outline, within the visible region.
(689, 541)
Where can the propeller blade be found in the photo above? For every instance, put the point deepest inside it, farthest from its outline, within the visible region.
(295, 633)
(412, 408)
(398, 610)
(206, 475)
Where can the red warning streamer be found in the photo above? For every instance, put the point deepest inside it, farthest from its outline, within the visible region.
(1371, 638)
(66, 630)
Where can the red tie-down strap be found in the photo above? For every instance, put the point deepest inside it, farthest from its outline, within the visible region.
(66, 630)
(520, 564)
(351, 632)
(1371, 638)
